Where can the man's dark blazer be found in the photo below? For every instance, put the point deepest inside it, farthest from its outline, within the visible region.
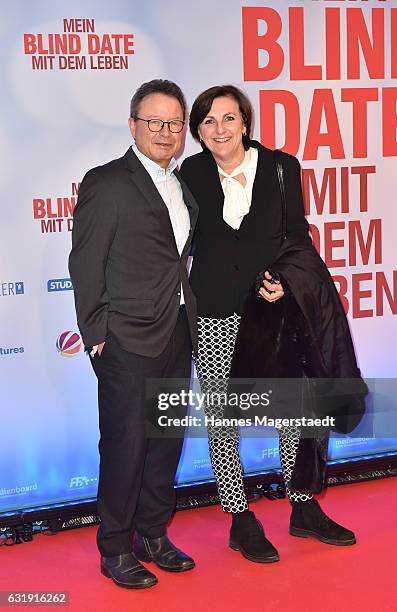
(124, 264)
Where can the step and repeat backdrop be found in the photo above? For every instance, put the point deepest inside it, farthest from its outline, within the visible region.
(321, 76)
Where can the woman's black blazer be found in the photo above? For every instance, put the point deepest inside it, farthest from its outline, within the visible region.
(226, 262)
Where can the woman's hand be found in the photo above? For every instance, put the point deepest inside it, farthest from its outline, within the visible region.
(271, 292)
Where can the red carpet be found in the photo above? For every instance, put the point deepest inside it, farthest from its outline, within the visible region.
(311, 576)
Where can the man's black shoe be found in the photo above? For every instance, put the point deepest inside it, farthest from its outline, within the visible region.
(162, 552)
(308, 519)
(247, 536)
(126, 571)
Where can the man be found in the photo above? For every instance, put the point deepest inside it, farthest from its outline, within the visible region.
(133, 226)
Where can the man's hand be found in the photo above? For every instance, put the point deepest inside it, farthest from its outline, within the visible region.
(271, 292)
(97, 348)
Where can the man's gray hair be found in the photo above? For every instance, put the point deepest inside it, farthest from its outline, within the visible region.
(168, 88)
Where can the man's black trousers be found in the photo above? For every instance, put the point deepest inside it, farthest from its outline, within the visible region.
(137, 471)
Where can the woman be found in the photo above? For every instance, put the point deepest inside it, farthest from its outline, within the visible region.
(234, 182)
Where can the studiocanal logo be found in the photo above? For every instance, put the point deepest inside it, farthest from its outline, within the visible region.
(68, 344)
(13, 288)
(59, 284)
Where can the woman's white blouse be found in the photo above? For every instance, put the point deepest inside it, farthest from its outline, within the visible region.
(238, 198)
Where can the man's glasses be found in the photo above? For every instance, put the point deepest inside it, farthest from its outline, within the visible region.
(156, 125)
